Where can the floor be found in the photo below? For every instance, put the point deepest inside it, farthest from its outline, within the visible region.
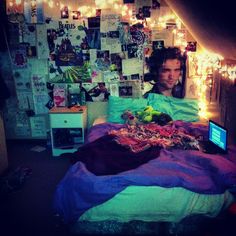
(26, 205)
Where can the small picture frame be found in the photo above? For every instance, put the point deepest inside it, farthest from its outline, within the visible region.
(156, 45)
(191, 46)
(114, 34)
(156, 4)
(146, 11)
(125, 91)
(132, 50)
(98, 12)
(103, 54)
(114, 89)
(135, 77)
(128, 1)
(65, 13)
(74, 99)
(124, 47)
(76, 15)
(94, 22)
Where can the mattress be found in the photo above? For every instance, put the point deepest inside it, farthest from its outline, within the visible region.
(100, 120)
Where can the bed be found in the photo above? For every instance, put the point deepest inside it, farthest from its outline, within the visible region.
(119, 185)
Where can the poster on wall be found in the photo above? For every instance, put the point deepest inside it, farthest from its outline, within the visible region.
(69, 56)
(169, 78)
(109, 28)
(22, 79)
(41, 38)
(22, 127)
(29, 34)
(114, 89)
(125, 91)
(38, 83)
(25, 100)
(19, 58)
(40, 93)
(33, 11)
(38, 126)
(164, 35)
(191, 90)
(12, 8)
(132, 66)
(60, 95)
(38, 66)
(70, 74)
(41, 100)
(129, 89)
(66, 40)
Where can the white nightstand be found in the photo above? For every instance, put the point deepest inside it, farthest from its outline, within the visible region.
(68, 127)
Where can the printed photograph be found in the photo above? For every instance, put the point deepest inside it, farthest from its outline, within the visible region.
(135, 77)
(125, 91)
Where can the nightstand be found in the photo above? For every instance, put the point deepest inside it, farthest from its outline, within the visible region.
(68, 127)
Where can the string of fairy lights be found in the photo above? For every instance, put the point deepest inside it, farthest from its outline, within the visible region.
(206, 62)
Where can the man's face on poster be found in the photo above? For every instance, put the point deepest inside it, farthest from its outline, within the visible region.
(169, 73)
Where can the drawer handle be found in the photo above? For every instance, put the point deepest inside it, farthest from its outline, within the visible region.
(65, 121)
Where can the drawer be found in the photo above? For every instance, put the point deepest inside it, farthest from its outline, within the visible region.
(66, 120)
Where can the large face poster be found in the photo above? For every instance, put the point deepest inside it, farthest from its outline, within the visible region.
(166, 72)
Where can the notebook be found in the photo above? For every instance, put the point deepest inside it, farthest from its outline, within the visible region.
(217, 139)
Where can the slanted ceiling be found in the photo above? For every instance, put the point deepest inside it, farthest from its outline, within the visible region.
(211, 23)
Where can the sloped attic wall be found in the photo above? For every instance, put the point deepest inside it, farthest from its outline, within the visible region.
(211, 24)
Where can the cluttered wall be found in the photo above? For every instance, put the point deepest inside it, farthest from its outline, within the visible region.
(57, 50)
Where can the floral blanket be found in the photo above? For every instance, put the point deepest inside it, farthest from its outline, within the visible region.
(138, 138)
(127, 147)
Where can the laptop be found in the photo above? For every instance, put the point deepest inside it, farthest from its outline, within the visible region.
(217, 139)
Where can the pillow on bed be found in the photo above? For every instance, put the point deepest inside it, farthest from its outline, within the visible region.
(178, 108)
(117, 105)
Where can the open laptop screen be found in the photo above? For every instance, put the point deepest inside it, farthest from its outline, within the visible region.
(218, 135)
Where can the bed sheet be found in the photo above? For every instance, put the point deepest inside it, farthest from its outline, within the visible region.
(155, 203)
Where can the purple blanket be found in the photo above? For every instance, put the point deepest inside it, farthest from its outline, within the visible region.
(80, 189)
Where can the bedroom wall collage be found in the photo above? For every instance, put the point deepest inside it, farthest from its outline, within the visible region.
(56, 46)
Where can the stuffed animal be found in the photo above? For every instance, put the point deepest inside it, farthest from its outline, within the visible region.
(129, 118)
(150, 115)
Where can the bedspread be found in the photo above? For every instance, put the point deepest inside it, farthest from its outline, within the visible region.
(124, 148)
(138, 138)
(80, 189)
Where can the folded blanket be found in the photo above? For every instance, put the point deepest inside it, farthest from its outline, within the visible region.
(104, 156)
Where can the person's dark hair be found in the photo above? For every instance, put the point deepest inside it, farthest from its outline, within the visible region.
(159, 56)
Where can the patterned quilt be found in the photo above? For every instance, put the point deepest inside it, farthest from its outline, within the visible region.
(138, 138)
